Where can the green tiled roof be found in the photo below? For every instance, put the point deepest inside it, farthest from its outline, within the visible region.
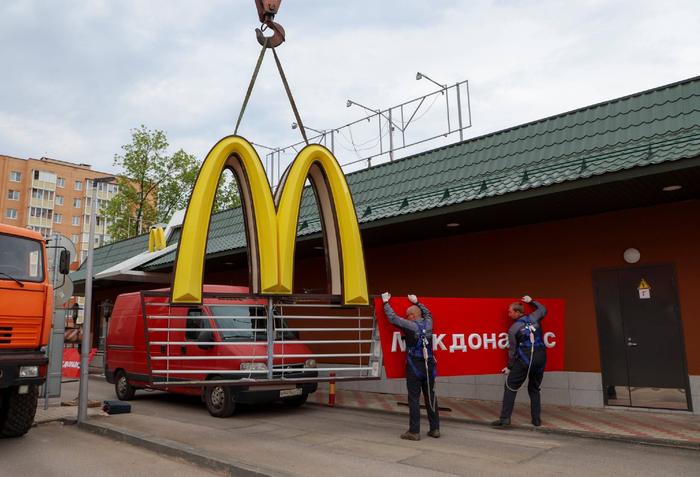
(651, 127)
(112, 254)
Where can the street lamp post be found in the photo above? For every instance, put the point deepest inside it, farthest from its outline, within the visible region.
(87, 318)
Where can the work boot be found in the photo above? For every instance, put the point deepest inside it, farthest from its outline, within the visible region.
(501, 423)
(434, 433)
(410, 436)
(536, 422)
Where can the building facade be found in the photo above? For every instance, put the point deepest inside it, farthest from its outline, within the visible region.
(53, 197)
(597, 206)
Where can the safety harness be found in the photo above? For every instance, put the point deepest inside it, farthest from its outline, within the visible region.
(422, 349)
(528, 338)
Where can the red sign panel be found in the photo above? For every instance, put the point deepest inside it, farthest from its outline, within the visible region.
(470, 335)
(71, 362)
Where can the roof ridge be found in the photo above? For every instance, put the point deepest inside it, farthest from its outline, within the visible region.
(570, 158)
(538, 148)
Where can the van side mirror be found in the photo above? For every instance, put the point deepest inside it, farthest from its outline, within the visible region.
(64, 262)
(205, 337)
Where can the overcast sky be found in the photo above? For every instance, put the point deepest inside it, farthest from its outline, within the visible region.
(76, 76)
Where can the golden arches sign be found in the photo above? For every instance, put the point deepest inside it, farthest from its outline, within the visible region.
(271, 222)
(156, 239)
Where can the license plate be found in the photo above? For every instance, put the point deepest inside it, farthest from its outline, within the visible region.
(290, 392)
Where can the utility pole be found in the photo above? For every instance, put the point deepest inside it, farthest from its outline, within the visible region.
(87, 312)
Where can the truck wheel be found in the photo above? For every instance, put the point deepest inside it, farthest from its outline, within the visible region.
(124, 390)
(18, 410)
(219, 400)
(296, 401)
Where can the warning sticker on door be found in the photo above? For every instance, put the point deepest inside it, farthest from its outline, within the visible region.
(644, 290)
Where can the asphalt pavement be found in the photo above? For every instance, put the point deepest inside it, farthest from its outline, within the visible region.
(59, 450)
(316, 440)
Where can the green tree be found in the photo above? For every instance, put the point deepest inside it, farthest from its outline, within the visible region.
(154, 184)
(227, 193)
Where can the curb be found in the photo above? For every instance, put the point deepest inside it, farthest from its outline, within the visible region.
(174, 449)
(650, 441)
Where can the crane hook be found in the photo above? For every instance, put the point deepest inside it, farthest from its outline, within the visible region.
(267, 9)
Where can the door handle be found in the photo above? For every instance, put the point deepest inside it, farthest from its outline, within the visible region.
(183, 349)
(630, 342)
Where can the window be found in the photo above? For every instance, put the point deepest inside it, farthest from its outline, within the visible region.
(42, 194)
(61, 182)
(78, 185)
(22, 257)
(76, 220)
(59, 200)
(11, 213)
(75, 238)
(45, 231)
(193, 324)
(240, 321)
(13, 194)
(41, 213)
(15, 176)
(44, 176)
(58, 218)
(76, 203)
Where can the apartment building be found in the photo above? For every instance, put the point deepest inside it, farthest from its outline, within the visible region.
(53, 196)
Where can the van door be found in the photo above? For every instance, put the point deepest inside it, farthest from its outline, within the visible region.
(195, 356)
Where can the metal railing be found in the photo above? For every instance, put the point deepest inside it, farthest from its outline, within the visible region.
(243, 340)
(384, 134)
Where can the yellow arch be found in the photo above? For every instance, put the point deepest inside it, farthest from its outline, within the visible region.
(337, 211)
(239, 154)
(271, 225)
(156, 239)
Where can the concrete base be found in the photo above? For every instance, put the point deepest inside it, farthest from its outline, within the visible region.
(565, 388)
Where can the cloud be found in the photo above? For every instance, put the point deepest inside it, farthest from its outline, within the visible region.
(78, 75)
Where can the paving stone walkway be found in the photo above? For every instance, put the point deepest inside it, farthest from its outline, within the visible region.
(679, 429)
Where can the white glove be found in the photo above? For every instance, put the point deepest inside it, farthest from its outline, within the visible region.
(413, 299)
(527, 298)
(505, 371)
(386, 296)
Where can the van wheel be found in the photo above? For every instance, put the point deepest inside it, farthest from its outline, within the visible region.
(219, 400)
(18, 410)
(296, 401)
(124, 390)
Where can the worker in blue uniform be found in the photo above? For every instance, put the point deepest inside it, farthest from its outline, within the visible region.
(527, 357)
(420, 364)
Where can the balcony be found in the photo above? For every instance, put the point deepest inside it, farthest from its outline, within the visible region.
(39, 184)
(43, 203)
(40, 222)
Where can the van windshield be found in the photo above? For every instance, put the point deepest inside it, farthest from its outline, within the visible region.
(240, 320)
(20, 259)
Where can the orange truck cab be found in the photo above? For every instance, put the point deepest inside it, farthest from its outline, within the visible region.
(212, 341)
(26, 306)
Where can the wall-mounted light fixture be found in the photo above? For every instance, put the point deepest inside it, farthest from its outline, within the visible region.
(631, 255)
